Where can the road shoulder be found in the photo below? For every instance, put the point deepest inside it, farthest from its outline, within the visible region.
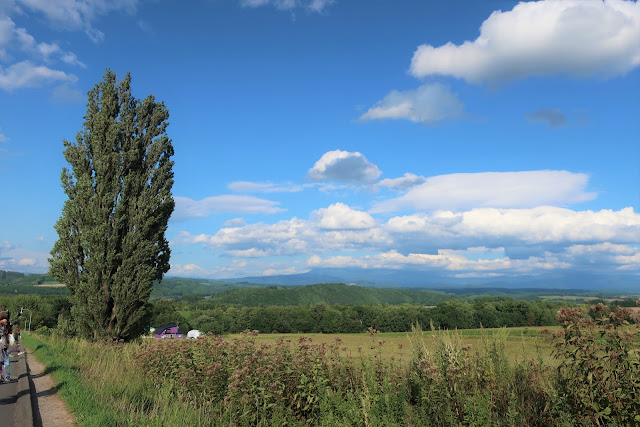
(49, 410)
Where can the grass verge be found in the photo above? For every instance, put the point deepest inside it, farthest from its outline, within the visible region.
(101, 387)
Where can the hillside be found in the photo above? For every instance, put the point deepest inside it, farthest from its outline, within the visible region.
(12, 282)
(15, 283)
(175, 287)
(329, 293)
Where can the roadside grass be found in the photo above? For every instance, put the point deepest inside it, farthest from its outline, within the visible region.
(104, 388)
(66, 370)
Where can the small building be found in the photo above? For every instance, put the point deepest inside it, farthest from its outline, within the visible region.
(168, 332)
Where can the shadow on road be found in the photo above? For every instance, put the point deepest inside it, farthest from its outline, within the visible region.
(37, 418)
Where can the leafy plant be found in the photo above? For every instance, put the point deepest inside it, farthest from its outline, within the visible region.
(598, 378)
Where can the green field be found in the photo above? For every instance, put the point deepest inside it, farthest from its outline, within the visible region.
(520, 343)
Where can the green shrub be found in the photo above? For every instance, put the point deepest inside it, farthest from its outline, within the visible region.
(598, 379)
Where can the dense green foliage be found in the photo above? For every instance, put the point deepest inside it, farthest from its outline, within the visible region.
(451, 314)
(329, 293)
(45, 311)
(112, 243)
(243, 382)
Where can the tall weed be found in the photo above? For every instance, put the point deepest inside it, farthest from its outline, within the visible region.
(598, 378)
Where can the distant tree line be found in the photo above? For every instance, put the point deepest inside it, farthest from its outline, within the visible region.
(42, 311)
(324, 318)
(203, 314)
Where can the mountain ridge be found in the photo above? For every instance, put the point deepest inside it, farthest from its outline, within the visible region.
(416, 279)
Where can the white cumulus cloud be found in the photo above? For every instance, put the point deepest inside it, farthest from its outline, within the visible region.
(574, 37)
(344, 166)
(341, 217)
(480, 240)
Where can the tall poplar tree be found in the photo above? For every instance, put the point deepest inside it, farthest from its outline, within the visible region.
(112, 243)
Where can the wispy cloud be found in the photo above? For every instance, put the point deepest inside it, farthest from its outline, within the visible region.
(47, 52)
(238, 268)
(574, 37)
(77, 15)
(430, 103)
(30, 63)
(26, 74)
(492, 189)
(444, 260)
(145, 27)
(553, 118)
(187, 208)
(263, 187)
(317, 6)
(65, 94)
(234, 222)
(3, 137)
(403, 183)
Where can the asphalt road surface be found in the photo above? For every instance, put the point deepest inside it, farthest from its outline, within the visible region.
(9, 394)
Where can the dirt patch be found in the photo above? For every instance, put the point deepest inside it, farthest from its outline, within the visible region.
(51, 410)
(53, 285)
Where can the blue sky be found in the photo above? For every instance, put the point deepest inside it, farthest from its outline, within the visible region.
(471, 139)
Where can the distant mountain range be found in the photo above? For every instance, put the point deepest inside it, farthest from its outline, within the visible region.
(413, 279)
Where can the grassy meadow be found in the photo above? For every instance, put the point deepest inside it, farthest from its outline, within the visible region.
(522, 343)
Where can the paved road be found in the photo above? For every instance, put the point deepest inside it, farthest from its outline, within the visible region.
(11, 393)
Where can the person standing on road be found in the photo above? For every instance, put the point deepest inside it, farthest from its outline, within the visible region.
(4, 343)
